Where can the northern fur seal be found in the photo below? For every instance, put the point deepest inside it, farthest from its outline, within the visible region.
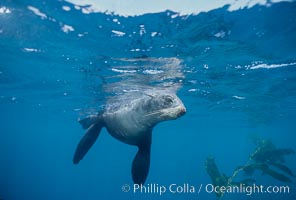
(131, 121)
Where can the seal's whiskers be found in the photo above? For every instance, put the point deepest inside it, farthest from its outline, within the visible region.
(151, 113)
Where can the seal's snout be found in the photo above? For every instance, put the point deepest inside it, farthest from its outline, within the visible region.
(182, 111)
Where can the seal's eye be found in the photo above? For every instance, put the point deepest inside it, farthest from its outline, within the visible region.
(168, 100)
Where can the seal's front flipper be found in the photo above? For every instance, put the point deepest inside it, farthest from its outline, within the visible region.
(87, 141)
(88, 121)
(141, 163)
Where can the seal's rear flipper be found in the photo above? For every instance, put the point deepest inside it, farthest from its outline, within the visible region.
(141, 163)
(87, 141)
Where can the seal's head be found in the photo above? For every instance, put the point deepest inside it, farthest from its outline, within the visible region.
(165, 106)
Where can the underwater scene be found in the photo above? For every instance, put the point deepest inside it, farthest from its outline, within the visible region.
(158, 105)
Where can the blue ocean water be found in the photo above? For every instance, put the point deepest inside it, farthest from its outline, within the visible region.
(235, 72)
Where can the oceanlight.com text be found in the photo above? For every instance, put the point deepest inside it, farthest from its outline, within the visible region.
(186, 188)
(247, 189)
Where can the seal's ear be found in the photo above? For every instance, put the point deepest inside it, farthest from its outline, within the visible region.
(141, 162)
(87, 141)
(149, 95)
